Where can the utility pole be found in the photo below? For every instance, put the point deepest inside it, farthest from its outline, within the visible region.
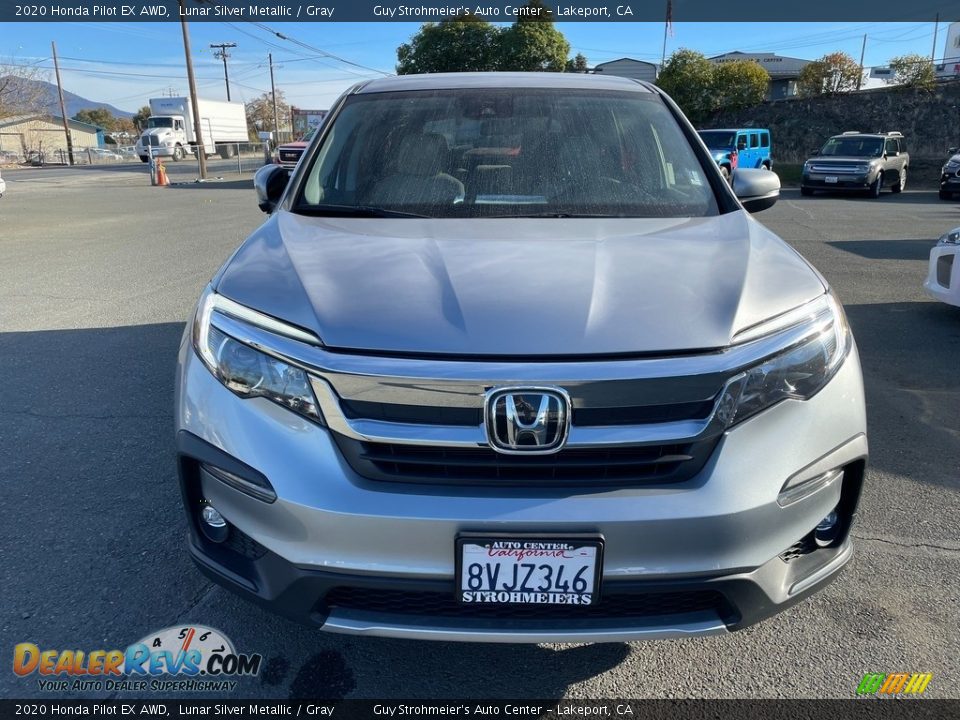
(197, 130)
(936, 29)
(63, 105)
(222, 54)
(863, 50)
(273, 94)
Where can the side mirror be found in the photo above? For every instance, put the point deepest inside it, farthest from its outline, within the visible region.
(756, 189)
(814, 153)
(270, 181)
(954, 150)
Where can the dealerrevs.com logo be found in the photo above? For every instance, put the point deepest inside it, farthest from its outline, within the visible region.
(178, 658)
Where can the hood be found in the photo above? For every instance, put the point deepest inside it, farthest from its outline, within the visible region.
(158, 132)
(519, 287)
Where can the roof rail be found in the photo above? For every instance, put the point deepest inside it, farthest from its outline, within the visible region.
(894, 133)
(851, 132)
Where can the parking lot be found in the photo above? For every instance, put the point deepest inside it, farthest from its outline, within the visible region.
(99, 273)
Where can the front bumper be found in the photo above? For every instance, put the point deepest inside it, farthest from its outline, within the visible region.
(155, 150)
(950, 183)
(817, 181)
(943, 274)
(696, 558)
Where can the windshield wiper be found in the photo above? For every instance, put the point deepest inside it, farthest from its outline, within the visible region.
(558, 214)
(352, 211)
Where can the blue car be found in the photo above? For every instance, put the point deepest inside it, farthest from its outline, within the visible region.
(746, 148)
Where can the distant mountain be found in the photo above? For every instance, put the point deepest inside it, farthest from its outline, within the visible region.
(51, 102)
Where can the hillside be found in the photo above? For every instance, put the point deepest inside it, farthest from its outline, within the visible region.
(51, 103)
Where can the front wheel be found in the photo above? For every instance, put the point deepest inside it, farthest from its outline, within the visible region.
(902, 182)
(805, 190)
(144, 159)
(725, 171)
(178, 153)
(874, 190)
(946, 195)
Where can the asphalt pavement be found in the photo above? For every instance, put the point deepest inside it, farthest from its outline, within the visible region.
(99, 272)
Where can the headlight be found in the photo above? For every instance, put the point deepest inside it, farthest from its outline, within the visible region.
(950, 238)
(798, 372)
(863, 168)
(246, 371)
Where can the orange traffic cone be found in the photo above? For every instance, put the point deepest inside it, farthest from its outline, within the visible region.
(161, 175)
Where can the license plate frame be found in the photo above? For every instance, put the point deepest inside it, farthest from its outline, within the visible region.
(576, 541)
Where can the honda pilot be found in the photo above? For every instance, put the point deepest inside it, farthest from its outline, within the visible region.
(509, 361)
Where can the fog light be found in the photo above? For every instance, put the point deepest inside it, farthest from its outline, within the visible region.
(213, 524)
(827, 530)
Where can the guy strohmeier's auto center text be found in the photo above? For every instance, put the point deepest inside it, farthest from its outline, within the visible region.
(293, 11)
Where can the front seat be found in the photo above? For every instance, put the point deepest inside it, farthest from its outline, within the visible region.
(418, 177)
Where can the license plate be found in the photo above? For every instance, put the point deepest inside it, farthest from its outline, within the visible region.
(529, 571)
(830, 179)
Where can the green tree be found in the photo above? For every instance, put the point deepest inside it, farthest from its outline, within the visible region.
(140, 118)
(913, 71)
(740, 84)
(101, 117)
(461, 44)
(688, 77)
(833, 73)
(577, 63)
(533, 43)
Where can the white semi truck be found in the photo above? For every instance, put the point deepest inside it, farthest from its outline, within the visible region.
(170, 130)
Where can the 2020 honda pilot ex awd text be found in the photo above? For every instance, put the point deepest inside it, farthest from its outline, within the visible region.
(510, 361)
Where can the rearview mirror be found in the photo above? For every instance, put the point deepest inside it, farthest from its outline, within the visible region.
(270, 181)
(756, 189)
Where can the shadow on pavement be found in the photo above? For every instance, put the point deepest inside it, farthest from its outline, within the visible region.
(909, 355)
(887, 249)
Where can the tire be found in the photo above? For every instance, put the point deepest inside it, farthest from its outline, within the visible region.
(143, 159)
(946, 195)
(766, 166)
(227, 151)
(877, 186)
(804, 190)
(178, 153)
(725, 171)
(901, 183)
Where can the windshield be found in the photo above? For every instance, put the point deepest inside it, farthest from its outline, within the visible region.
(853, 146)
(506, 153)
(718, 138)
(160, 122)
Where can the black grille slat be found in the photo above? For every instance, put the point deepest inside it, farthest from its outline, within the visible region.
(439, 604)
(642, 465)
(509, 462)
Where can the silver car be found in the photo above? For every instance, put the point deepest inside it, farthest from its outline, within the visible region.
(509, 361)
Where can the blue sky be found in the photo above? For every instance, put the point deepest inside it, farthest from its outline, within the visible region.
(126, 63)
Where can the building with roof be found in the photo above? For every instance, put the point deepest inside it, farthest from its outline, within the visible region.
(628, 68)
(783, 71)
(44, 133)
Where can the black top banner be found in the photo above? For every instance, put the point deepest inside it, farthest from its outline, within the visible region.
(491, 10)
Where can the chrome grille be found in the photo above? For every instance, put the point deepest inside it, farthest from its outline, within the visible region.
(837, 169)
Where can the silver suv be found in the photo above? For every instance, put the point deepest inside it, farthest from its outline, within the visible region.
(510, 361)
(858, 161)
